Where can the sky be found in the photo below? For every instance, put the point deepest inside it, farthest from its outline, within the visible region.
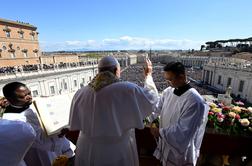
(132, 24)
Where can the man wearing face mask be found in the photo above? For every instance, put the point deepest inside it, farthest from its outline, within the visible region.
(44, 149)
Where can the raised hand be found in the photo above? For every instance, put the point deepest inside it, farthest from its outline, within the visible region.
(147, 67)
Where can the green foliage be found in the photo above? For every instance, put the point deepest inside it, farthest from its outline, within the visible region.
(93, 55)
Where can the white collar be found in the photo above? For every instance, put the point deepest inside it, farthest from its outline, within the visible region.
(15, 106)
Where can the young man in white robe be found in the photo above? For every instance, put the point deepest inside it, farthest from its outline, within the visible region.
(106, 112)
(183, 117)
(16, 137)
(45, 148)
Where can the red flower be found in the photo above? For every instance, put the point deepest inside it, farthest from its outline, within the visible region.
(210, 113)
(226, 108)
(237, 116)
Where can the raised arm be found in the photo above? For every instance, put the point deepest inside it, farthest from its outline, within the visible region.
(151, 87)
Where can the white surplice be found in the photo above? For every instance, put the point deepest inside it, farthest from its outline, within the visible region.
(45, 148)
(107, 119)
(16, 137)
(182, 125)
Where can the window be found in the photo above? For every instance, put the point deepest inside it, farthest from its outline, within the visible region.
(7, 31)
(83, 80)
(75, 83)
(61, 85)
(7, 34)
(32, 35)
(52, 90)
(21, 35)
(219, 80)
(229, 82)
(90, 78)
(35, 93)
(35, 52)
(25, 54)
(241, 86)
(65, 84)
(12, 55)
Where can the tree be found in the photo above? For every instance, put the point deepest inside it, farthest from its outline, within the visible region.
(201, 47)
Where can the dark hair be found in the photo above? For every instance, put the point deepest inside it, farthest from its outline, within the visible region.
(175, 67)
(111, 69)
(10, 88)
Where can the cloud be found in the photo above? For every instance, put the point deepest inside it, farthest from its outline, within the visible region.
(123, 42)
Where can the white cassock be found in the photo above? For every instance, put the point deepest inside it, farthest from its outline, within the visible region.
(16, 137)
(182, 125)
(45, 148)
(107, 119)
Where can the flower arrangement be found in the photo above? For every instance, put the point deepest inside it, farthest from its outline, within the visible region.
(234, 120)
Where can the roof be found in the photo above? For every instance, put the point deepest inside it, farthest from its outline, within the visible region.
(18, 23)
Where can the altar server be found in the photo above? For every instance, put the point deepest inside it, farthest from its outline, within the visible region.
(45, 148)
(183, 117)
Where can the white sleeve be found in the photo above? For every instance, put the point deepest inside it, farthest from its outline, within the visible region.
(158, 107)
(148, 97)
(150, 85)
(74, 118)
(178, 136)
(42, 141)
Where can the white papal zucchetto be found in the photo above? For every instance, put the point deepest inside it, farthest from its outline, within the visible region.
(108, 61)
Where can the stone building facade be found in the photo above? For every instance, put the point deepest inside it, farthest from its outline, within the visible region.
(226, 72)
(18, 43)
(55, 82)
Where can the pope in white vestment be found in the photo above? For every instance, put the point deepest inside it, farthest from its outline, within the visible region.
(106, 112)
(16, 137)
